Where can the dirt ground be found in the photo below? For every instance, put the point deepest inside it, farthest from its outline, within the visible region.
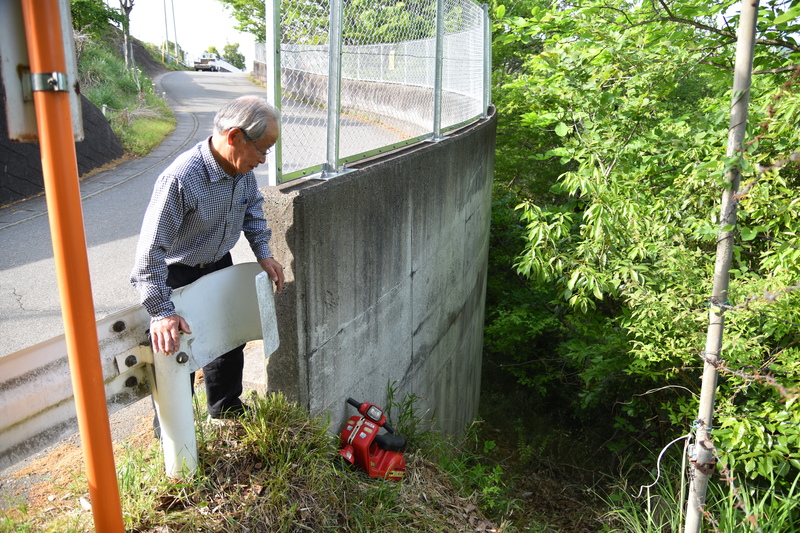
(33, 481)
(145, 61)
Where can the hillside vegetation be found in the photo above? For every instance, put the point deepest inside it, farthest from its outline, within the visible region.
(139, 117)
(611, 164)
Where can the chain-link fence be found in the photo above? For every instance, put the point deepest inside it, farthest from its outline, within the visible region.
(362, 77)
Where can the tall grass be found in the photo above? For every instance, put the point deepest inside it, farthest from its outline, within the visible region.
(138, 116)
(730, 507)
(274, 470)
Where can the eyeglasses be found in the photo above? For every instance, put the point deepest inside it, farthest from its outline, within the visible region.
(264, 153)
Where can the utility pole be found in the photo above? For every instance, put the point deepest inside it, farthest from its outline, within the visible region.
(165, 52)
(175, 30)
(702, 457)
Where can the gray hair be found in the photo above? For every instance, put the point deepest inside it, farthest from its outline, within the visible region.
(249, 113)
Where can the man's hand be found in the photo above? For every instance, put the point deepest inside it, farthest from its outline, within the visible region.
(165, 333)
(274, 270)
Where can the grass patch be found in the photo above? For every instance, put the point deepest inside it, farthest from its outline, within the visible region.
(140, 131)
(273, 471)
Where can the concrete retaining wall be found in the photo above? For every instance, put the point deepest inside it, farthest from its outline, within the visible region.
(386, 270)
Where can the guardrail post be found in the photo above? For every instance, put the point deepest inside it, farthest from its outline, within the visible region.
(172, 396)
(171, 385)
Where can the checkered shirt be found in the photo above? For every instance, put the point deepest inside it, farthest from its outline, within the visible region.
(196, 214)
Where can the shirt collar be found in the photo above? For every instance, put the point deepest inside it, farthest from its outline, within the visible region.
(215, 172)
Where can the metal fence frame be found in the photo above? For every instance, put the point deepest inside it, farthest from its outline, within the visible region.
(441, 56)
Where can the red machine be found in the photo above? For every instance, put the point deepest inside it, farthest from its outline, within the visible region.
(379, 455)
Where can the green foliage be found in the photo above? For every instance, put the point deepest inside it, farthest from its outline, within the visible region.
(388, 21)
(732, 505)
(251, 16)
(232, 55)
(139, 118)
(364, 21)
(519, 321)
(622, 113)
(94, 16)
(468, 460)
(408, 419)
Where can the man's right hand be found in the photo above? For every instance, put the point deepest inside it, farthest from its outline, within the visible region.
(165, 333)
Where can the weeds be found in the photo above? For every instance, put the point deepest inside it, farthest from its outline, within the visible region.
(276, 471)
(271, 471)
(730, 509)
(139, 118)
(408, 420)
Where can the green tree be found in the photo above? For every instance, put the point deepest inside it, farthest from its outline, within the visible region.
(93, 16)
(232, 55)
(388, 21)
(365, 21)
(301, 22)
(126, 6)
(251, 16)
(624, 107)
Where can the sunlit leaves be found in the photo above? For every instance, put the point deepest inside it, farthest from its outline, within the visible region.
(633, 102)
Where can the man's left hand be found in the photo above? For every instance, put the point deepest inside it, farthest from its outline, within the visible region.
(274, 270)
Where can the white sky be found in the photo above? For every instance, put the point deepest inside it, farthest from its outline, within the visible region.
(198, 25)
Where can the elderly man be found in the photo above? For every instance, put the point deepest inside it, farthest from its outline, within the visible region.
(199, 206)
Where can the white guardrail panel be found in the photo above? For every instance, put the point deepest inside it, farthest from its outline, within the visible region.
(37, 408)
(36, 402)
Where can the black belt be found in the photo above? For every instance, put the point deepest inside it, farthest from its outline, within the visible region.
(225, 261)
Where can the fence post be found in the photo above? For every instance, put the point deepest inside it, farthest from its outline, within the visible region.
(487, 61)
(272, 50)
(702, 458)
(439, 67)
(334, 88)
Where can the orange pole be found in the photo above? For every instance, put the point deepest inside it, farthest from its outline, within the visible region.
(60, 169)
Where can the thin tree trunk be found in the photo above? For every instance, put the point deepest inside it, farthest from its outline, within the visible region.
(126, 48)
(126, 7)
(702, 458)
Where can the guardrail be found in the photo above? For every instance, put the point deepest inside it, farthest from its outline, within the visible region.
(36, 398)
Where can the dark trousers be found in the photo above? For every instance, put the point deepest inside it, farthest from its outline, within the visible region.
(223, 375)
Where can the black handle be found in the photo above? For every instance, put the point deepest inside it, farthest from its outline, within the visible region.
(354, 403)
(387, 427)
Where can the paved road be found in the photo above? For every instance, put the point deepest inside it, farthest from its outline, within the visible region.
(113, 204)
